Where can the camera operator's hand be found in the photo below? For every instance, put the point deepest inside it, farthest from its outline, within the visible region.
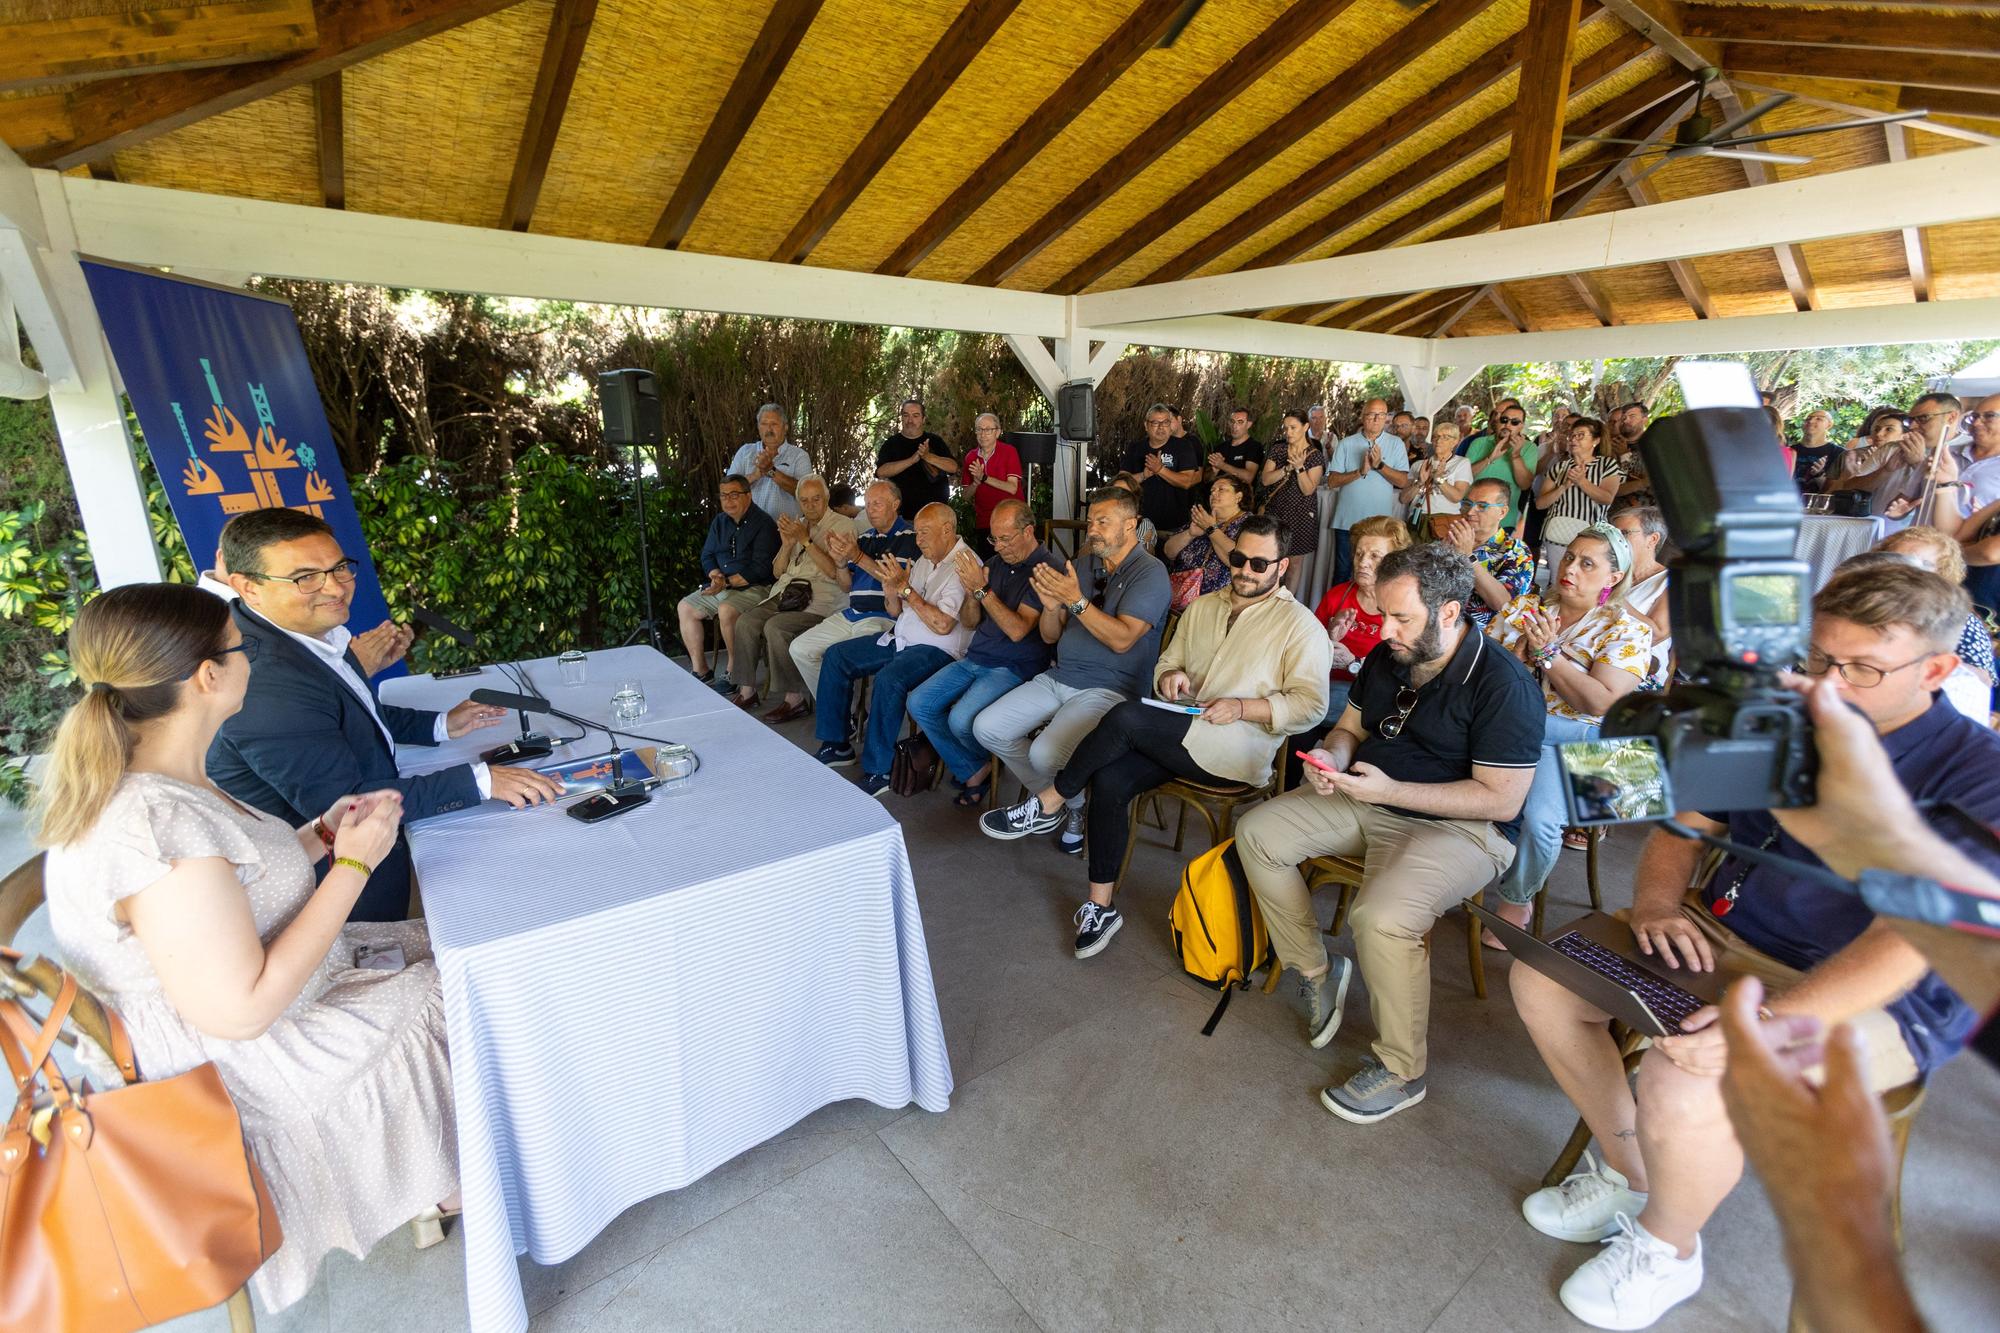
(1674, 940)
(1703, 1051)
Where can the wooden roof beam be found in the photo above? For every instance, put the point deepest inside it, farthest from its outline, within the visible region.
(1693, 290)
(1332, 98)
(1957, 73)
(110, 116)
(1590, 290)
(1538, 113)
(330, 132)
(1181, 118)
(1506, 309)
(562, 52)
(35, 52)
(1138, 34)
(1980, 106)
(1916, 247)
(965, 38)
(1851, 26)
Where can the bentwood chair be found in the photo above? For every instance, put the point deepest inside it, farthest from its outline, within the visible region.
(1216, 804)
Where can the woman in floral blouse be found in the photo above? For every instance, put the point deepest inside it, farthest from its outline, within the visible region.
(1589, 650)
(1197, 556)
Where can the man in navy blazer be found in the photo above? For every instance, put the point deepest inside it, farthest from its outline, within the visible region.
(311, 729)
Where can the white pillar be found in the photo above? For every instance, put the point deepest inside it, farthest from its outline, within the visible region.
(1073, 359)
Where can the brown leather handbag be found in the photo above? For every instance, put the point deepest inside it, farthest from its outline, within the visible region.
(123, 1208)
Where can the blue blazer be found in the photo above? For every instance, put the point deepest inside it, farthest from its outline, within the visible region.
(302, 739)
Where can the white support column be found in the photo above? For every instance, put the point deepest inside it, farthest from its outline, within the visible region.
(1034, 357)
(1454, 379)
(1424, 390)
(16, 379)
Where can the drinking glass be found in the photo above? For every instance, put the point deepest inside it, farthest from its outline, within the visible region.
(572, 667)
(628, 703)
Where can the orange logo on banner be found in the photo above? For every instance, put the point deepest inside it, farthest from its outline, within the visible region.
(268, 455)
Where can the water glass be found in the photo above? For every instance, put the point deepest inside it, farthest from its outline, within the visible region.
(628, 703)
(571, 664)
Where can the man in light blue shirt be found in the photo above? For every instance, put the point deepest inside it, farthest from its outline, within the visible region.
(1365, 472)
(773, 465)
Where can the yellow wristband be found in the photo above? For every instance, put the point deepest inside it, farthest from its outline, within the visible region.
(352, 864)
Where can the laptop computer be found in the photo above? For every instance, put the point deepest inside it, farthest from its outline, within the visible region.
(1596, 957)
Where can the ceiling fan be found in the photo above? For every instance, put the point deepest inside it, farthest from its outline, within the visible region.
(1700, 136)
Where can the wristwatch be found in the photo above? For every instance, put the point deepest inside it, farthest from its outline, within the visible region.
(1075, 608)
(979, 594)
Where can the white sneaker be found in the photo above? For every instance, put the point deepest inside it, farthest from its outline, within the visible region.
(1634, 1281)
(1586, 1206)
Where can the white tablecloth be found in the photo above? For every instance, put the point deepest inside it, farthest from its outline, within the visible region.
(1827, 539)
(633, 1003)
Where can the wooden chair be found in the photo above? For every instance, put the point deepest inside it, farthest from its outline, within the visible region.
(1217, 805)
(1595, 836)
(1064, 536)
(20, 894)
(1344, 873)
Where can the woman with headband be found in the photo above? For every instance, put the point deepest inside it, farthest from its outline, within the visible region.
(1589, 649)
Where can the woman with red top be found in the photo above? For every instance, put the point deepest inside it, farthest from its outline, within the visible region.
(993, 472)
(1353, 620)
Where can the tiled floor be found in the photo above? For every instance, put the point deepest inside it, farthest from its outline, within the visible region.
(1105, 1166)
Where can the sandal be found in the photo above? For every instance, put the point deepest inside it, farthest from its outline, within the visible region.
(1576, 839)
(972, 795)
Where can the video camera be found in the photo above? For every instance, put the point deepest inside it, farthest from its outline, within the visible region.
(1729, 737)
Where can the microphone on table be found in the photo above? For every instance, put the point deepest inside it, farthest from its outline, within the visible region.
(531, 744)
(623, 793)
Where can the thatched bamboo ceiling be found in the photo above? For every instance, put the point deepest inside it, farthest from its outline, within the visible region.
(1050, 145)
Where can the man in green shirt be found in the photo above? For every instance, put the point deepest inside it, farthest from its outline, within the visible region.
(1506, 454)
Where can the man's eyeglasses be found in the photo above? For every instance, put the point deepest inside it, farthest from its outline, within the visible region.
(1256, 563)
(1469, 506)
(314, 579)
(248, 648)
(1512, 421)
(1933, 416)
(1406, 701)
(1862, 674)
(1984, 418)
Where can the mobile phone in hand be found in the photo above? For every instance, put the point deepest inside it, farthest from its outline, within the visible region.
(1316, 761)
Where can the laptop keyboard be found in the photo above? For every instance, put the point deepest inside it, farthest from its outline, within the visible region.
(1668, 1002)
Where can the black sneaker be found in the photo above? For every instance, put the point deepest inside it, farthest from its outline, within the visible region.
(721, 684)
(1094, 928)
(1018, 821)
(1070, 840)
(875, 784)
(836, 754)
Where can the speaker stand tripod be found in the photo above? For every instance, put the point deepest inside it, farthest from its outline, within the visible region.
(648, 630)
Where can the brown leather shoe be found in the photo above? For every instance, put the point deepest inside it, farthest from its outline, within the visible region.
(785, 712)
(745, 704)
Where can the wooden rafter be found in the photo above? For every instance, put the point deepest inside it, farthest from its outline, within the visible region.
(965, 38)
(562, 52)
(1176, 122)
(1961, 73)
(1506, 309)
(1980, 106)
(1693, 290)
(1335, 97)
(1139, 33)
(330, 131)
(784, 28)
(1590, 290)
(1424, 311)
(1538, 113)
(35, 52)
(1848, 26)
(1916, 247)
(109, 116)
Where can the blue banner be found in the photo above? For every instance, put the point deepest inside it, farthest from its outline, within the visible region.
(222, 388)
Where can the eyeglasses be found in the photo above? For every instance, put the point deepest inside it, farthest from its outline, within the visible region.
(1392, 727)
(1933, 416)
(1861, 674)
(248, 648)
(1468, 506)
(1257, 563)
(314, 579)
(1984, 418)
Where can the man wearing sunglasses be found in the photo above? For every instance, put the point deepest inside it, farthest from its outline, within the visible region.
(1423, 777)
(1502, 566)
(311, 728)
(1505, 454)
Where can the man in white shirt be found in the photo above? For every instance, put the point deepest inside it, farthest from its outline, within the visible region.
(773, 465)
(926, 638)
(377, 649)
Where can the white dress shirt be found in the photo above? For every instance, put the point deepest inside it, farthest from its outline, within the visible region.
(938, 584)
(209, 583)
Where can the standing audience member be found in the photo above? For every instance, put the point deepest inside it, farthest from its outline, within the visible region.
(1316, 426)
(1290, 477)
(1168, 467)
(918, 461)
(928, 636)
(1817, 455)
(1437, 483)
(1578, 490)
(1463, 415)
(738, 556)
(1895, 468)
(992, 472)
(1007, 650)
(1669, 1156)
(1364, 472)
(1403, 425)
(805, 564)
(1423, 778)
(1197, 556)
(310, 727)
(1589, 650)
(1104, 614)
(1238, 455)
(1253, 661)
(888, 539)
(1502, 568)
(1130, 483)
(1979, 532)
(1627, 425)
(1507, 456)
(1978, 456)
(196, 918)
(772, 465)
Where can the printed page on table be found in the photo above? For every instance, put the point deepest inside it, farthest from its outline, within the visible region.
(594, 772)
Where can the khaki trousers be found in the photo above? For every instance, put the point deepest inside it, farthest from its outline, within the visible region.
(1415, 870)
(810, 648)
(764, 625)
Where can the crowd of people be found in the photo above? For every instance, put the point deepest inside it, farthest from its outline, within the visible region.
(1493, 595)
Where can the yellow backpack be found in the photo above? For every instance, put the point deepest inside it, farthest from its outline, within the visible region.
(1216, 925)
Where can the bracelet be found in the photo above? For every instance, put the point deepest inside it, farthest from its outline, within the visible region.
(352, 864)
(319, 827)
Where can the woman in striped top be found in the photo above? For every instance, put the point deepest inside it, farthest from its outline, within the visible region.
(1578, 491)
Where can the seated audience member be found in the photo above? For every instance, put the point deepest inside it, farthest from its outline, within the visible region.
(1238, 455)
(1351, 614)
(1004, 613)
(1198, 555)
(1424, 778)
(889, 538)
(199, 921)
(1589, 650)
(1149, 536)
(1502, 568)
(927, 637)
(1104, 614)
(1168, 467)
(1645, 530)
(1970, 687)
(310, 726)
(376, 649)
(1669, 1156)
(1817, 455)
(1577, 491)
(992, 472)
(1254, 661)
(1293, 468)
(1437, 483)
(804, 562)
(918, 461)
(842, 500)
(772, 465)
(737, 557)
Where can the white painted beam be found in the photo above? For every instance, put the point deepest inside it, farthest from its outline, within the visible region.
(1857, 326)
(1036, 359)
(1928, 191)
(183, 229)
(1269, 337)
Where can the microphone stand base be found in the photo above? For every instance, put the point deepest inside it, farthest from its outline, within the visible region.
(513, 752)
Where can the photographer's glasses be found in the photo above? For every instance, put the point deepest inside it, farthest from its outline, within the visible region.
(1256, 563)
(1392, 727)
(1861, 674)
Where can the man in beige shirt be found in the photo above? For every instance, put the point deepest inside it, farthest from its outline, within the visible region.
(805, 557)
(1246, 667)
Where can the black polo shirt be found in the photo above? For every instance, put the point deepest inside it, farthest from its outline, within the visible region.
(1159, 499)
(1483, 708)
(918, 485)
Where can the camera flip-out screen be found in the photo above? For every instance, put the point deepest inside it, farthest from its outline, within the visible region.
(1765, 599)
(1615, 781)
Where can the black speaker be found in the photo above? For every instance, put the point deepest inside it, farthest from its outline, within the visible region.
(1076, 410)
(630, 400)
(1037, 448)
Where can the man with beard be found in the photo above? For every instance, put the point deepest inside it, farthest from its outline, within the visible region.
(1250, 658)
(1423, 778)
(1626, 425)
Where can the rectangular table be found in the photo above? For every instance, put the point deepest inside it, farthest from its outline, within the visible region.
(632, 1003)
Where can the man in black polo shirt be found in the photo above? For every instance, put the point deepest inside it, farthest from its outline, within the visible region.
(1238, 455)
(1423, 778)
(920, 463)
(1169, 467)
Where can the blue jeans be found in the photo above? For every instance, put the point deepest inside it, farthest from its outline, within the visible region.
(896, 674)
(945, 705)
(1539, 846)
